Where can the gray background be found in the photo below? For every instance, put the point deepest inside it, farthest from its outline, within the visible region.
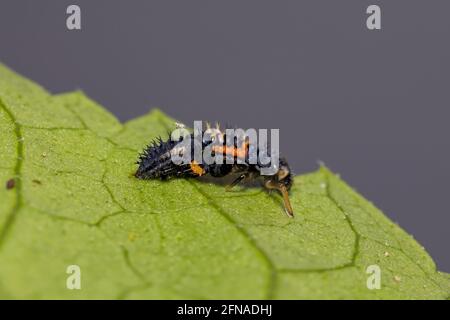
(373, 105)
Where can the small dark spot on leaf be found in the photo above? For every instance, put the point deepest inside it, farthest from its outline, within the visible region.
(37, 181)
(11, 183)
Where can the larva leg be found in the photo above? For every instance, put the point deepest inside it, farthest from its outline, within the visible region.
(235, 182)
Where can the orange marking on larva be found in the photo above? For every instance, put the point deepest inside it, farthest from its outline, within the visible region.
(195, 167)
(232, 151)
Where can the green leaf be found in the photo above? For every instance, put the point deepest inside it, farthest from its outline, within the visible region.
(76, 202)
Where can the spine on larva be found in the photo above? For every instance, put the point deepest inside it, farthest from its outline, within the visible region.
(155, 162)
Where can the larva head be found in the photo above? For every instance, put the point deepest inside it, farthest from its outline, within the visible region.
(282, 181)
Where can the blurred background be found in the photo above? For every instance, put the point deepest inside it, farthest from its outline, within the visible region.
(374, 105)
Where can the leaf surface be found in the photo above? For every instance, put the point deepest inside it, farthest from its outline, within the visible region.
(75, 201)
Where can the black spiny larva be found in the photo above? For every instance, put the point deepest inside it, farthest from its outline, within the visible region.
(155, 162)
